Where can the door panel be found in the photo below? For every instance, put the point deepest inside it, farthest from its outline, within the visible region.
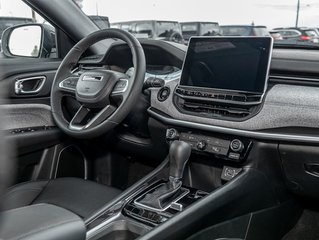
(29, 123)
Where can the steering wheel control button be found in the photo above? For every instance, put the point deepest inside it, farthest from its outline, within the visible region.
(163, 94)
(237, 146)
(69, 83)
(229, 173)
(121, 86)
(201, 145)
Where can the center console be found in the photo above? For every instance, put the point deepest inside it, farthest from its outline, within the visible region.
(155, 203)
(166, 195)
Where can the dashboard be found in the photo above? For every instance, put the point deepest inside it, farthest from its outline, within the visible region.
(288, 112)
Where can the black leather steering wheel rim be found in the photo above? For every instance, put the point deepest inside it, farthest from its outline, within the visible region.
(71, 60)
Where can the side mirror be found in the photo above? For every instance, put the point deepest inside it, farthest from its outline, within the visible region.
(27, 40)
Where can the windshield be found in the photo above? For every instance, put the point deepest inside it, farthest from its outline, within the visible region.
(295, 22)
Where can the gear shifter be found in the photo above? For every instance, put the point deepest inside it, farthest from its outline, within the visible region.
(179, 154)
(160, 197)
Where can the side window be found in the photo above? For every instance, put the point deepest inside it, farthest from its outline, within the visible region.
(29, 41)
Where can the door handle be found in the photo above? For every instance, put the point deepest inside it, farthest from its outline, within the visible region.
(30, 85)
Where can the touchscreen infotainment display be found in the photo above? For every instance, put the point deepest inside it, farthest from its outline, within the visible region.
(228, 63)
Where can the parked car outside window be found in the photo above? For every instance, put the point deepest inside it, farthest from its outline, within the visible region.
(160, 30)
(244, 30)
(301, 35)
(190, 29)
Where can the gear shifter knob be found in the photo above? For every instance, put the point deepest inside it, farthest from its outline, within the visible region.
(179, 154)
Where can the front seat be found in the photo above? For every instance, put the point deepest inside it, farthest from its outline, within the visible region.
(79, 196)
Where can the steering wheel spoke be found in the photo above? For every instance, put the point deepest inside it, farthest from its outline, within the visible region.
(86, 118)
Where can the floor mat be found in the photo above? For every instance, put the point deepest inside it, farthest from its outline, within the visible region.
(307, 228)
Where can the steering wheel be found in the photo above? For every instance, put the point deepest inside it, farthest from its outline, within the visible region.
(106, 96)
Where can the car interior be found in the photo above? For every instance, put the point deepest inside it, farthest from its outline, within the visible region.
(123, 138)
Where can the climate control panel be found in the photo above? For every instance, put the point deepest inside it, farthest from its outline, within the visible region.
(226, 147)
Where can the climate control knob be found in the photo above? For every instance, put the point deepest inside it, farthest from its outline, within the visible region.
(237, 146)
(201, 145)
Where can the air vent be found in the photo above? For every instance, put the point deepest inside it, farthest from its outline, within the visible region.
(216, 110)
(239, 98)
(226, 106)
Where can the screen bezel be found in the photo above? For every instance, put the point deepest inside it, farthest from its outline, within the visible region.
(271, 42)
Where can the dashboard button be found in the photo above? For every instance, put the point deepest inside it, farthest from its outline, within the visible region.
(171, 134)
(237, 146)
(198, 94)
(180, 91)
(218, 150)
(234, 156)
(201, 145)
(163, 94)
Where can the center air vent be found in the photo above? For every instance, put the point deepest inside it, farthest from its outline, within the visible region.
(216, 109)
(224, 106)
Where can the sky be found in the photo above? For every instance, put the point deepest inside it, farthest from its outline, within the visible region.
(272, 13)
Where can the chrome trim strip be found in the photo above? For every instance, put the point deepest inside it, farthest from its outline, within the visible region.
(233, 131)
(92, 232)
(294, 78)
(92, 78)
